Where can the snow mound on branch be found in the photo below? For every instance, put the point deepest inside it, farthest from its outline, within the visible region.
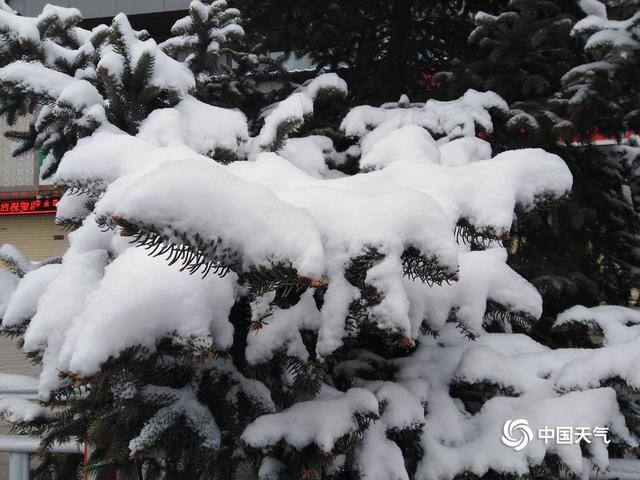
(445, 120)
(483, 276)
(602, 32)
(320, 422)
(409, 143)
(310, 154)
(40, 80)
(593, 7)
(201, 126)
(172, 304)
(23, 303)
(280, 328)
(108, 155)
(297, 106)
(261, 228)
(462, 151)
(378, 458)
(618, 324)
(456, 441)
(59, 304)
(24, 29)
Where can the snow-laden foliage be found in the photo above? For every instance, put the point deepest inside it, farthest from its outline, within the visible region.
(603, 86)
(228, 307)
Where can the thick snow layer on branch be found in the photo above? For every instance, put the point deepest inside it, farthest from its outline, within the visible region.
(484, 276)
(23, 303)
(202, 127)
(448, 120)
(19, 28)
(320, 422)
(617, 323)
(378, 458)
(38, 79)
(171, 303)
(58, 306)
(593, 7)
(456, 441)
(310, 154)
(608, 33)
(261, 228)
(108, 155)
(15, 260)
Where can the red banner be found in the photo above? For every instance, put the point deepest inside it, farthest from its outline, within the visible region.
(28, 206)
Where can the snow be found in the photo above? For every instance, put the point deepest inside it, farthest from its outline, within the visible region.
(9, 253)
(448, 120)
(409, 143)
(60, 302)
(326, 81)
(200, 126)
(601, 32)
(15, 410)
(593, 7)
(23, 304)
(167, 73)
(171, 304)
(422, 172)
(321, 421)
(310, 154)
(35, 78)
(378, 458)
(261, 229)
(456, 441)
(483, 276)
(38, 79)
(281, 328)
(297, 106)
(64, 14)
(182, 403)
(5, 7)
(24, 29)
(463, 151)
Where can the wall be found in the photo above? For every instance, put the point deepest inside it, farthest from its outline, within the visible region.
(36, 236)
(102, 8)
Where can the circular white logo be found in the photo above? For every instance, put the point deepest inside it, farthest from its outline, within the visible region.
(516, 434)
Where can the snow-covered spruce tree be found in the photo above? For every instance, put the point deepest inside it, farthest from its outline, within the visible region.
(333, 326)
(210, 40)
(602, 92)
(118, 72)
(521, 53)
(532, 45)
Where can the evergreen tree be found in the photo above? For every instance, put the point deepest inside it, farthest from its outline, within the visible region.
(285, 315)
(383, 49)
(528, 54)
(209, 39)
